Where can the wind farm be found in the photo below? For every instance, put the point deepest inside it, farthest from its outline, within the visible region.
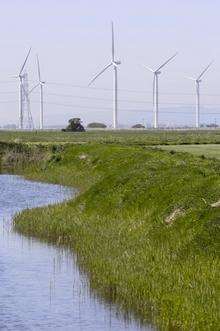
(114, 64)
(154, 106)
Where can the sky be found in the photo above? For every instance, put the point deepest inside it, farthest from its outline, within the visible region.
(73, 40)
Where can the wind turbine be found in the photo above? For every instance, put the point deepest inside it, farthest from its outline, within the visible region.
(21, 76)
(197, 81)
(114, 63)
(40, 83)
(156, 73)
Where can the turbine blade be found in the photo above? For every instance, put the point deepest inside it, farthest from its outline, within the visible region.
(171, 58)
(191, 78)
(96, 76)
(38, 68)
(113, 43)
(25, 61)
(148, 68)
(33, 88)
(204, 71)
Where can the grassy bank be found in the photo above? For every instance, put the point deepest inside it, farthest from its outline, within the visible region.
(142, 226)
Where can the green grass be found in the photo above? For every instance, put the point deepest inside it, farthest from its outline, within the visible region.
(116, 226)
(211, 151)
(128, 137)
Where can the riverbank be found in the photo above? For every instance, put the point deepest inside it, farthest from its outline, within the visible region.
(142, 226)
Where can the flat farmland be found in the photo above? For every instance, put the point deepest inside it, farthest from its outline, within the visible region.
(208, 150)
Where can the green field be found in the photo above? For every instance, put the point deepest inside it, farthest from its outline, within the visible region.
(134, 137)
(142, 226)
(209, 150)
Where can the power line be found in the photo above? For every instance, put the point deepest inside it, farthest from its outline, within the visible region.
(106, 89)
(95, 109)
(11, 92)
(124, 110)
(8, 101)
(120, 100)
(129, 101)
(106, 108)
(126, 90)
(7, 81)
(109, 89)
(123, 100)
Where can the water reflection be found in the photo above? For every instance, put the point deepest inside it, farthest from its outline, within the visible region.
(41, 287)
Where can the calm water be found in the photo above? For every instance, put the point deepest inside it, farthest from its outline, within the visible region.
(41, 287)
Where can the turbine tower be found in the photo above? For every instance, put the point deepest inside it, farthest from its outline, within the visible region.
(41, 83)
(156, 73)
(114, 63)
(197, 81)
(23, 93)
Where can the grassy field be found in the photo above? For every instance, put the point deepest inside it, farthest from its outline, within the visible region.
(211, 151)
(127, 137)
(142, 226)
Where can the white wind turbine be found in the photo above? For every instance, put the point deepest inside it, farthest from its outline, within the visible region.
(40, 83)
(156, 73)
(22, 92)
(114, 63)
(197, 81)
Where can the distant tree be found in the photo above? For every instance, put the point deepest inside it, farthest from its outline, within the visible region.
(10, 126)
(212, 125)
(95, 125)
(74, 126)
(138, 126)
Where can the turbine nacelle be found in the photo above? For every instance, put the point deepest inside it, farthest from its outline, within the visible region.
(116, 63)
(199, 78)
(158, 70)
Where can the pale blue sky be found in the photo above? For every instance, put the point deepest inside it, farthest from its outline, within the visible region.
(73, 42)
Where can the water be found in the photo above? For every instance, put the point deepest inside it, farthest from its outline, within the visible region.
(41, 287)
